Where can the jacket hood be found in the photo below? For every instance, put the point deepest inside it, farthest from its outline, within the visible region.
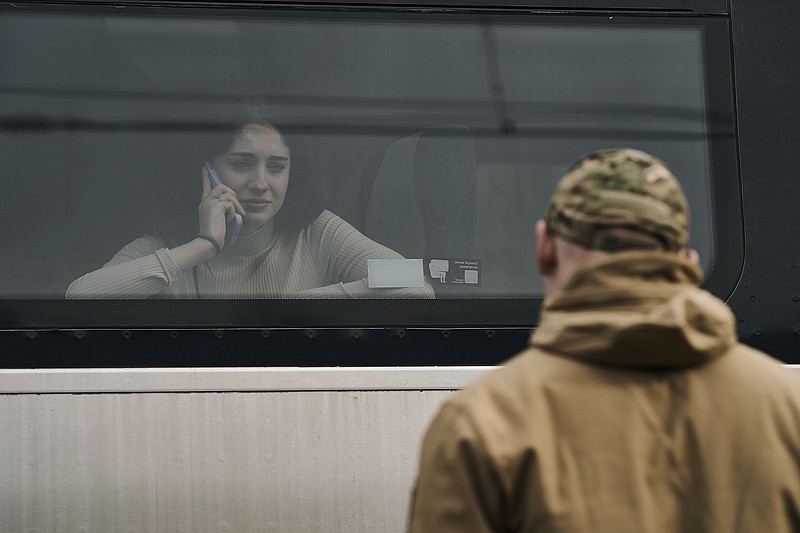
(640, 310)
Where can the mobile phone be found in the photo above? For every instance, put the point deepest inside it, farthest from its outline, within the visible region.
(232, 228)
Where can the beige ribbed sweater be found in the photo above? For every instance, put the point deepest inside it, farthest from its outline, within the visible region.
(327, 259)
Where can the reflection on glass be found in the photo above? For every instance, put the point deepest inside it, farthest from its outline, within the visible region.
(428, 138)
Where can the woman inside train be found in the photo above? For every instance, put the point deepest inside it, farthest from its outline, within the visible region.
(260, 234)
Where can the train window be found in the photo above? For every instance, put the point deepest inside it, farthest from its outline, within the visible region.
(389, 165)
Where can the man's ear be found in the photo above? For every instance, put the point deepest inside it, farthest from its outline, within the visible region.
(546, 260)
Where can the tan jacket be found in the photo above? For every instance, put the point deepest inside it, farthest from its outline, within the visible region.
(633, 410)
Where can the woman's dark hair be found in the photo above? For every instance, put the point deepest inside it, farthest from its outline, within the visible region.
(213, 135)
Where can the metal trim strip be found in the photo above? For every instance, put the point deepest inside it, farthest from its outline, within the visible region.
(187, 380)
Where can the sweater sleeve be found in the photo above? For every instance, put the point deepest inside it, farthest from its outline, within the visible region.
(142, 268)
(342, 253)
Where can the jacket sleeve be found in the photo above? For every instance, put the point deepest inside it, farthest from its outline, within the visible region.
(140, 269)
(457, 489)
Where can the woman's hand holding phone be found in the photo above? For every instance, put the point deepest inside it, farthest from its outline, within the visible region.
(218, 210)
(220, 213)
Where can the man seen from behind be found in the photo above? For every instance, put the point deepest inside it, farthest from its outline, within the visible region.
(634, 409)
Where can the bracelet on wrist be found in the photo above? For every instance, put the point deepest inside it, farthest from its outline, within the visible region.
(212, 240)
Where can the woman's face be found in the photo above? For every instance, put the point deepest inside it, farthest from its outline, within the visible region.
(256, 167)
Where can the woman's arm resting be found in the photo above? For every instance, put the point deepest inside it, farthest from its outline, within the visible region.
(141, 269)
(346, 252)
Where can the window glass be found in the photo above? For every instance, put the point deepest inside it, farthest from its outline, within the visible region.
(437, 139)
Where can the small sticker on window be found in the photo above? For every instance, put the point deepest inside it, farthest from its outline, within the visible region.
(453, 271)
(394, 273)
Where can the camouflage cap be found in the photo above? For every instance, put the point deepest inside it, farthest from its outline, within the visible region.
(622, 188)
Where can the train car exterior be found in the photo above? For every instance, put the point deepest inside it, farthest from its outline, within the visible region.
(225, 413)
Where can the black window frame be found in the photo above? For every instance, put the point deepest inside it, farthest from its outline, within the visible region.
(294, 332)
